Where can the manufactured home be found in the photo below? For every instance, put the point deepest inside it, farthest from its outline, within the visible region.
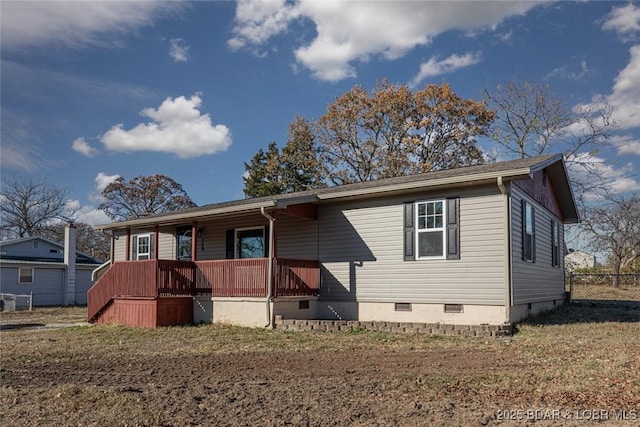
(477, 245)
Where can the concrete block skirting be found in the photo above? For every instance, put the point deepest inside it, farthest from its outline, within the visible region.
(401, 327)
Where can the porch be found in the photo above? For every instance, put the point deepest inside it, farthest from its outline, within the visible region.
(156, 292)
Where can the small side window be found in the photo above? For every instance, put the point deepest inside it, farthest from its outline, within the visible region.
(25, 275)
(528, 232)
(555, 244)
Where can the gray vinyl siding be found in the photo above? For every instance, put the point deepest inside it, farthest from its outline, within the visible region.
(297, 237)
(167, 243)
(539, 280)
(361, 250)
(119, 246)
(214, 233)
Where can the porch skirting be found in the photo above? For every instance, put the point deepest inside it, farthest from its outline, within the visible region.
(149, 312)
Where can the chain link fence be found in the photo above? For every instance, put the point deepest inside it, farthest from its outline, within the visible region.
(604, 287)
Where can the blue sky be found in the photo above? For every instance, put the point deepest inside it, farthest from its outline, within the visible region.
(95, 90)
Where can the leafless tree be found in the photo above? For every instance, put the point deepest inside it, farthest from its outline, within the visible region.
(532, 120)
(614, 226)
(29, 206)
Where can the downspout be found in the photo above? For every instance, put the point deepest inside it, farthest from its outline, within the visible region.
(112, 240)
(270, 265)
(507, 260)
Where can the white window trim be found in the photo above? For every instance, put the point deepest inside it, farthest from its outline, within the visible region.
(527, 203)
(20, 275)
(442, 230)
(138, 253)
(236, 253)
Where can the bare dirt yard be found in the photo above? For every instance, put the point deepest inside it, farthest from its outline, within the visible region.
(578, 365)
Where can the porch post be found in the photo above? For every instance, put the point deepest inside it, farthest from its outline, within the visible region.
(127, 246)
(156, 243)
(194, 241)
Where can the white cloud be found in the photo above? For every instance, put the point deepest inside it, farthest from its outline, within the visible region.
(102, 180)
(626, 144)
(624, 20)
(80, 145)
(257, 21)
(624, 98)
(178, 50)
(565, 72)
(356, 31)
(619, 180)
(433, 67)
(177, 127)
(88, 214)
(76, 23)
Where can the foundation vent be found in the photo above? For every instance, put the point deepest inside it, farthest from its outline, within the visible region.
(303, 305)
(453, 308)
(403, 306)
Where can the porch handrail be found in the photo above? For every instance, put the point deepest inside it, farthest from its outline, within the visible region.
(100, 270)
(124, 278)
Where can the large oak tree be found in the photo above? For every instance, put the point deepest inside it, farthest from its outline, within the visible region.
(363, 136)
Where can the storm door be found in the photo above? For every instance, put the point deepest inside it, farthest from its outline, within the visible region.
(183, 243)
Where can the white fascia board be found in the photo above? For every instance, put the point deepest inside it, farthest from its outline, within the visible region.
(508, 175)
(178, 217)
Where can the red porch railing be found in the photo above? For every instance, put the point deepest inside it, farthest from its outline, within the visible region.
(295, 277)
(149, 278)
(220, 278)
(233, 277)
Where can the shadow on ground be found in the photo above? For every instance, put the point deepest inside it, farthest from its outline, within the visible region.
(589, 311)
(14, 326)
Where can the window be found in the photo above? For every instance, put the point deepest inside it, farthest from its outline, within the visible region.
(434, 234)
(143, 246)
(248, 242)
(430, 231)
(25, 275)
(555, 244)
(528, 232)
(183, 243)
(35, 244)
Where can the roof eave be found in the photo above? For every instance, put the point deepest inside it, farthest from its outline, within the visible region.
(509, 175)
(180, 217)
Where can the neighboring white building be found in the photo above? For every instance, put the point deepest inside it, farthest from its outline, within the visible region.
(578, 259)
(41, 267)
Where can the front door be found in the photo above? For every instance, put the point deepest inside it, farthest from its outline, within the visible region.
(183, 243)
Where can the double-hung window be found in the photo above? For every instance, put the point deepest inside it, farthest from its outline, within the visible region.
(431, 229)
(430, 241)
(143, 247)
(528, 232)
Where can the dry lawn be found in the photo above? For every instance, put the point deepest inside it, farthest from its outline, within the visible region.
(565, 368)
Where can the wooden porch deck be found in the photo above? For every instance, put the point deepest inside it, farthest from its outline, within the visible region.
(153, 280)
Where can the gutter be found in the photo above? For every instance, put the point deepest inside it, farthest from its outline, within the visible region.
(507, 261)
(269, 267)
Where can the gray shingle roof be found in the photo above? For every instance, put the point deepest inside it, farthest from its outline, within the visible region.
(513, 169)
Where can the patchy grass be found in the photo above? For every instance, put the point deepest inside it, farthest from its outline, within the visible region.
(577, 357)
